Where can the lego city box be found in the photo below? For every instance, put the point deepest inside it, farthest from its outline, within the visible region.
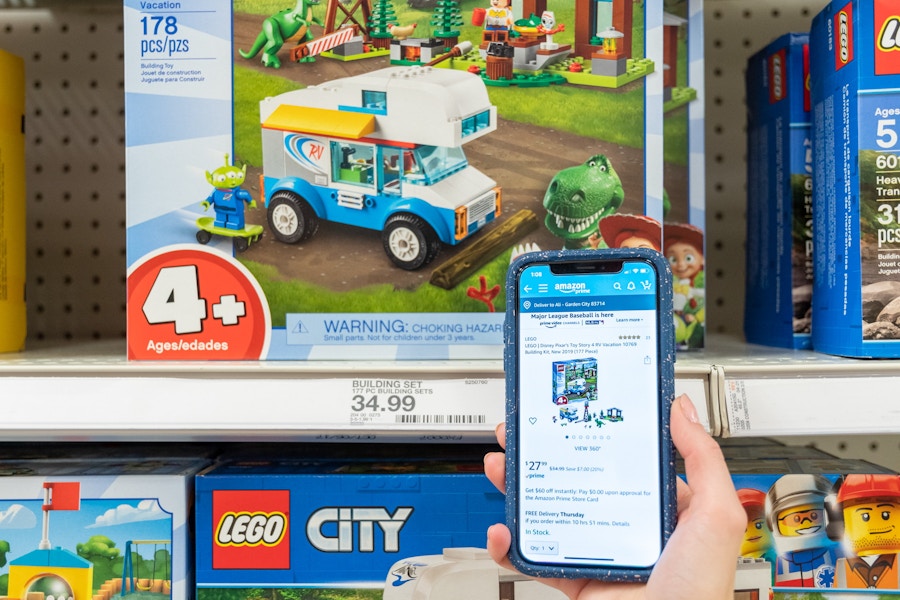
(820, 525)
(323, 180)
(779, 254)
(277, 526)
(855, 77)
(97, 528)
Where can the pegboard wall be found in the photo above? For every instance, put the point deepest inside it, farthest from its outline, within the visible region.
(75, 165)
(75, 180)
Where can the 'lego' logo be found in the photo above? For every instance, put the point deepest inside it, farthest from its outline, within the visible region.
(843, 51)
(777, 77)
(332, 529)
(887, 40)
(251, 529)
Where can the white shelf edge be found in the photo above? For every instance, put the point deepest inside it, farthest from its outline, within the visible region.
(740, 390)
(288, 400)
(762, 392)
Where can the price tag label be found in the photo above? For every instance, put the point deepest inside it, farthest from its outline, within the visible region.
(190, 303)
(418, 404)
(738, 406)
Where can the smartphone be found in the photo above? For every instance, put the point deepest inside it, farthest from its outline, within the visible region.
(589, 360)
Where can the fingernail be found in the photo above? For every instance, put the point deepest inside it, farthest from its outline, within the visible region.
(688, 408)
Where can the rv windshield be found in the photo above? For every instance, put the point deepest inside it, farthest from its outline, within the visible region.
(437, 162)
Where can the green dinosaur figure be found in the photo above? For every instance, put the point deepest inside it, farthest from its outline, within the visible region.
(287, 24)
(578, 197)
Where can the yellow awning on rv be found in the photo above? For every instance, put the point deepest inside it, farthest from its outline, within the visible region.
(322, 121)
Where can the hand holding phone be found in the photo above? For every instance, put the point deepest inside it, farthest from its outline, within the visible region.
(590, 378)
(698, 561)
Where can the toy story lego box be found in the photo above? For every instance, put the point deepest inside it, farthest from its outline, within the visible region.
(97, 528)
(324, 180)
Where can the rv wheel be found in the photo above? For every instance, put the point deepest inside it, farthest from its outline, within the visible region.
(290, 218)
(409, 241)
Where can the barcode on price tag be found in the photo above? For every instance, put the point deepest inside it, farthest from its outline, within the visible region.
(442, 419)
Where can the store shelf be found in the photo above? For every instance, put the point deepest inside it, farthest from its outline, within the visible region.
(760, 391)
(741, 390)
(90, 391)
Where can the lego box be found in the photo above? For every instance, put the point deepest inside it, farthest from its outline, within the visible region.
(281, 525)
(684, 183)
(779, 274)
(817, 525)
(302, 185)
(855, 75)
(91, 528)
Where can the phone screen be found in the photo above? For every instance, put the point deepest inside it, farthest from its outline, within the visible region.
(589, 474)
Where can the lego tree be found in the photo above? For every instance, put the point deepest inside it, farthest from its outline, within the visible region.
(446, 19)
(380, 21)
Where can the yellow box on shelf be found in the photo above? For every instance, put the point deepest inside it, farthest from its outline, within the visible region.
(12, 202)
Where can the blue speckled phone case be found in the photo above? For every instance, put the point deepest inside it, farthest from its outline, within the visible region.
(667, 393)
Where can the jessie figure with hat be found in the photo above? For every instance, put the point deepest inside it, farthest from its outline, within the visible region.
(627, 231)
(683, 247)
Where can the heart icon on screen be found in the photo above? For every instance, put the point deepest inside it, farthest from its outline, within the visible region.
(532, 420)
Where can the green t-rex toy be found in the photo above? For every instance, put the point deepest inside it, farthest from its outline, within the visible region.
(280, 28)
(578, 197)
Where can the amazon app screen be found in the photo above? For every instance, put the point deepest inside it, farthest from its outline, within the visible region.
(589, 486)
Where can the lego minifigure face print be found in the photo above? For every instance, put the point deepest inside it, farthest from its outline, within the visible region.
(806, 519)
(873, 527)
(757, 538)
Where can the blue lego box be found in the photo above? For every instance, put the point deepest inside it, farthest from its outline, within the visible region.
(96, 528)
(817, 525)
(855, 77)
(334, 197)
(778, 300)
(574, 386)
(290, 524)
